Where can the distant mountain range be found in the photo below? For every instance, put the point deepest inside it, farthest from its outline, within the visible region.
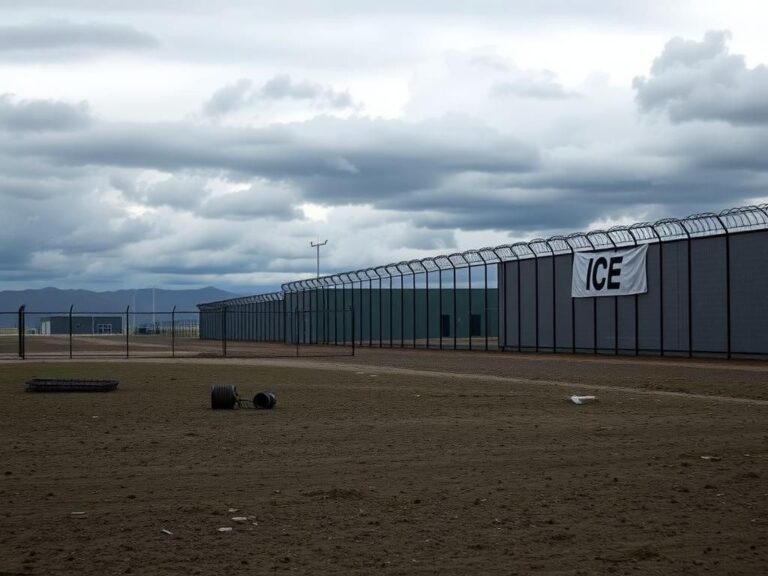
(48, 301)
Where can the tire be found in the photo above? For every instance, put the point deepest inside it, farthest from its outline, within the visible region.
(265, 400)
(223, 397)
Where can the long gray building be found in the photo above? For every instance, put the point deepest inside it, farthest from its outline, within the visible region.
(705, 280)
(82, 324)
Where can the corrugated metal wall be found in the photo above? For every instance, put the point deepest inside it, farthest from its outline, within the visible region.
(706, 297)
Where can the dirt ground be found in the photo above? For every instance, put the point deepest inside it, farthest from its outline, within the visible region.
(373, 465)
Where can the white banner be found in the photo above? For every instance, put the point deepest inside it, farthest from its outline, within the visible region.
(609, 272)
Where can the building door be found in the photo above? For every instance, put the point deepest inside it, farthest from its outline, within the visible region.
(445, 325)
(103, 328)
(475, 325)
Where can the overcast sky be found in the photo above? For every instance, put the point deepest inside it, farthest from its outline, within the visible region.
(174, 144)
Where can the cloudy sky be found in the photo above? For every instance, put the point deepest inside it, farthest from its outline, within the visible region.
(184, 144)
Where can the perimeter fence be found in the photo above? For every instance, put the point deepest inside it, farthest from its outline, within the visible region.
(707, 285)
(28, 334)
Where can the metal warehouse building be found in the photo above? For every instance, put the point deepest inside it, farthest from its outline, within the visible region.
(704, 287)
(81, 324)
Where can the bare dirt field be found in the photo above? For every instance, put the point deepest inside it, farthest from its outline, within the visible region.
(388, 462)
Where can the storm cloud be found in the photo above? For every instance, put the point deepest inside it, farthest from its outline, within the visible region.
(242, 94)
(59, 38)
(41, 115)
(693, 80)
(169, 143)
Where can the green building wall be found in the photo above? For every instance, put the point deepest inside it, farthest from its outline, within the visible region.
(384, 316)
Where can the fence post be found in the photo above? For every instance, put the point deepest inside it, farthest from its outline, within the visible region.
(353, 323)
(536, 295)
(690, 297)
(440, 306)
(370, 311)
(296, 314)
(173, 332)
(127, 331)
(573, 306)
(485, 300)
(391, 317)
(224, 331)
(727, 285)
(413, 309)
(402, 309)
(426, 304)
(70, 331)
(519, 310)
(455, 309)
(22, 331)
(469, 301)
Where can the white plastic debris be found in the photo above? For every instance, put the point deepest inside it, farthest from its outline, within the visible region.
(583, 399)
(164, 531)
(239, 519)
(77, 514)
(232, 510)
(711, 458)
(225, 529)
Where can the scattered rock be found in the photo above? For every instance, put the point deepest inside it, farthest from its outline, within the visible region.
(583, 399)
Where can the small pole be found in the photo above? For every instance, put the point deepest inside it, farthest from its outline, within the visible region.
(297, 331)
(70, 331)
(224, 331)
(127, 332)
(173, 332)
(353, 323)
(22, 330)
(318, 245)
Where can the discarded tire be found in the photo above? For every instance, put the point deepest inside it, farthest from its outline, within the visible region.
(265, 400)
(66, 385)
(223, 397)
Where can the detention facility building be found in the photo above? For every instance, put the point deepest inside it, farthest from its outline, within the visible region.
(700, 289)
(81, 324)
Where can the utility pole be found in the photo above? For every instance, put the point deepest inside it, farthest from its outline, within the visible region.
(318, 245)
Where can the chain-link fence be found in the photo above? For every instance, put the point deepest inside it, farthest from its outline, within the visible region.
(244, 333)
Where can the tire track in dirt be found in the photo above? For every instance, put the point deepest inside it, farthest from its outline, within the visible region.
(372, 368)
